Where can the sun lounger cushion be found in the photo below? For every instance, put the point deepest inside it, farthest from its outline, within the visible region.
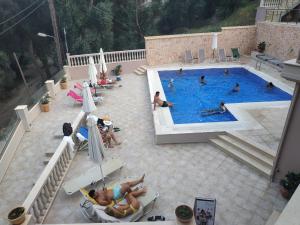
(82, 134)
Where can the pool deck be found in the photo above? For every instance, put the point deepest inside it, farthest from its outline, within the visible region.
(199, 166)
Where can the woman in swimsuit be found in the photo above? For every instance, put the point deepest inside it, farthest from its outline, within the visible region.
(108, 195)
(122, 210)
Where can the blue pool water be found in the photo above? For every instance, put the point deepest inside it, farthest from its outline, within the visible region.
(190, 98)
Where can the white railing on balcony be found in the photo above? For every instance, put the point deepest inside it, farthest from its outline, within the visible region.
(42, 195)
(279, 4)
(270, 3)
(110, 57)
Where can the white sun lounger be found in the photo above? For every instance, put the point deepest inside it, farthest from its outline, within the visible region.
(222, 55)
(96, 213)
(91, 176)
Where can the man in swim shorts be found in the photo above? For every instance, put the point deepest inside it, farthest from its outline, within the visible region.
(160, 102)
(107, 195)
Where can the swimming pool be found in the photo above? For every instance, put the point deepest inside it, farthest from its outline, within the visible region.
(190, 98)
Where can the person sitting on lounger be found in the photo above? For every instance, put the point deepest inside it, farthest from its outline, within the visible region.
(120, 210)
(104, 80)
(222, 109)
(107, 134)
(237, 88)
(108, 195)
(202, 80)
(160, 102)
(270, 85)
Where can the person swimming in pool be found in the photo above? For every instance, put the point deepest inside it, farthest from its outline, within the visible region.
(160, 102)
(237, 88)
(107, 195)
(270, 85)
(171, 83)
(202, 80)
(180, 71)
(226, 71)
(222, 109)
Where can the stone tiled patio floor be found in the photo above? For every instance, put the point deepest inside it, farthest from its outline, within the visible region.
(179, 172)
(27, 163)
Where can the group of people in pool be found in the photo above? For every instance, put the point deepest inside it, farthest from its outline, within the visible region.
(221, 109)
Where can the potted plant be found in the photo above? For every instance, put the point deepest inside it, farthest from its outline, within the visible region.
(63, 83)
(17, 215)
(44, 102)
(261, 47)
(118, 71)
(289, 184)
(184, 213)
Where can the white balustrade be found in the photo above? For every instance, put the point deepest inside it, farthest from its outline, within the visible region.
(42, 195)
(270, 3)
(110, 57)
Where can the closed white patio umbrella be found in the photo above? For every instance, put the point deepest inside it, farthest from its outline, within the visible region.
(95, 143)
(214, 43)
(88, 105)
(92, 71)
(102, 66)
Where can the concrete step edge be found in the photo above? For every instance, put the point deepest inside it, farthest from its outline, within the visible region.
(266, 171)
(250, 142)
(252, 152)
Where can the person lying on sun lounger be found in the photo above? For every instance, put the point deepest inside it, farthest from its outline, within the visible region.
(104, 80)
(132, 205)
(222, 109)
(107, 196)
(160, 102)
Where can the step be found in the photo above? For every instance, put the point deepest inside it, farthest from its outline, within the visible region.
(247, 149)
(265, 150)
(138, 72)
(49, 154)
(273, 218)
(141, 70)
(235, 153)
(143, 67)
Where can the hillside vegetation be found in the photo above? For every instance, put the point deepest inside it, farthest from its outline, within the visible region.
(244, 15)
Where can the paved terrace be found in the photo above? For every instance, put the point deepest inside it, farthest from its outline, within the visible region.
(179, 172)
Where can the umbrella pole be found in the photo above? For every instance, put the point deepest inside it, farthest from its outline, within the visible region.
(102, 175)
(95, 90)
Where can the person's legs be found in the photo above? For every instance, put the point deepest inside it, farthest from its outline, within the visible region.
(139, 192)
(170, 104)
(135, 182)
(126, 187)
(113, 137)
(108, 140)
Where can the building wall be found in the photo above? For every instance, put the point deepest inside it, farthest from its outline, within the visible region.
(81, 72)
(282, 40)
(289, 154)
(171, 48)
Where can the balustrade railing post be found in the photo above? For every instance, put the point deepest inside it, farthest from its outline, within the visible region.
(68, 59)
(40, 205)
(55, 177)
(36, 212)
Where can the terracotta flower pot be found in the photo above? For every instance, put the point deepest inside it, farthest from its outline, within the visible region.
(284, 193)
(16, 216)
(45, 107)
(184, 213)
(64, 85)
